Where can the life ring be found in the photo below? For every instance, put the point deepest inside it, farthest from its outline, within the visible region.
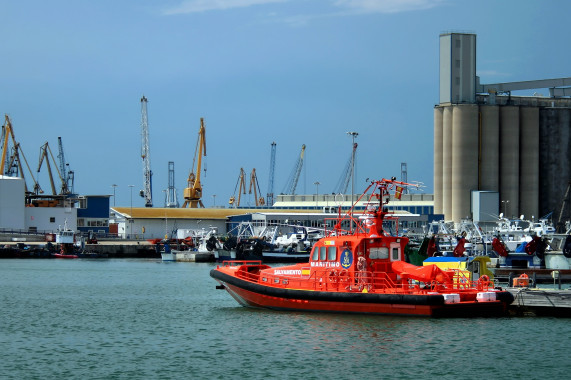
(334, 276)
(483, 282)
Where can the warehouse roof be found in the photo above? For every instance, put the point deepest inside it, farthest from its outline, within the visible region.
(195, 213)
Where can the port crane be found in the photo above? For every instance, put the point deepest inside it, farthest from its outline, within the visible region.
(66, 174)
(270, 194)
(254, 183)
(345, 179)
(193, 191)
(147, 191)
(241, 187)
(14, 166)
(294, 176)
(44, 150)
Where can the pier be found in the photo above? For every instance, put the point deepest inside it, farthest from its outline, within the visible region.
(540, 302)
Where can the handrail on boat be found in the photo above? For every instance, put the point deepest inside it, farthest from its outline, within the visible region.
(237, 263)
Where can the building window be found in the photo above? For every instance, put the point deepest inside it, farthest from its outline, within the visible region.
(52, 219)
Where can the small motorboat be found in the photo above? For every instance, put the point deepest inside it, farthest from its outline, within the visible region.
(65, 237)
(359, 268)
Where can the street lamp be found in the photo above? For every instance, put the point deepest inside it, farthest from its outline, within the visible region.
(353, 136)
(214, 200)
(114, 186)
(131, 220)
(316, 183)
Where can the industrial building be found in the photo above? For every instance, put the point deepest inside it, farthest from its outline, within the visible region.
(487, 140)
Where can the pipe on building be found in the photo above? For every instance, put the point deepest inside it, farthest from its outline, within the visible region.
(438, 131)
(447, 162)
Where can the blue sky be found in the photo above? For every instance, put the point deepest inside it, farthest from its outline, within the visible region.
(290, 71)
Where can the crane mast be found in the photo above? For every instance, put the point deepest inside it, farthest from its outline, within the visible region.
(294, 176)
(193, 191)
(270, 195)
(147, 191)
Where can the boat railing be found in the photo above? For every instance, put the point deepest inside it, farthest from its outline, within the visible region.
(237, 263)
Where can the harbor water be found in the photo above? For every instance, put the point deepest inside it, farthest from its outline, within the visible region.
(145, 319)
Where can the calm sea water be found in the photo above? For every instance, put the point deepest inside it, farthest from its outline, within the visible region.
(135, 319)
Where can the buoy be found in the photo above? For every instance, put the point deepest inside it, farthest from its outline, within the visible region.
(521, 281)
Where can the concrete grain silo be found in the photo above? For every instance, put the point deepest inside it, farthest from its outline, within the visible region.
(487, 140)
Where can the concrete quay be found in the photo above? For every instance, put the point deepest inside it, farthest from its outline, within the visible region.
(106, 248)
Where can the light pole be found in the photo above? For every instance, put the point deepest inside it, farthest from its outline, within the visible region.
(131, 220)
(505, 203)
(214, 200)
(316, 183)
(353, 136)
(114, 186)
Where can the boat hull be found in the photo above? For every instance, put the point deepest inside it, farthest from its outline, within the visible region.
(168, 256)
(193, 256)
(64, 256)
(430, 305)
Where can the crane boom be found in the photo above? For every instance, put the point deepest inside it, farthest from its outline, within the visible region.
(254, 183)
(193, 191)
(66, 174)
(241, 187)
(44, 155)
(345, 178)
(294, 176)
(270, 195)
(147, 191)
(7, 133)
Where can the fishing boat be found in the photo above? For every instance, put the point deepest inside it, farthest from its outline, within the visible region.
(167, 254)
(359, 268)
(65, 237)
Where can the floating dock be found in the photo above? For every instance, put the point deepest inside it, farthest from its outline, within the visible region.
(540, 302)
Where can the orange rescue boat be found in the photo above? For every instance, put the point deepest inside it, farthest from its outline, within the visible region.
(359, 268)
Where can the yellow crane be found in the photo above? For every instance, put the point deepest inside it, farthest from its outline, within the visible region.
(241, 187)
(14, 162)
(254, 183)
(193, 192)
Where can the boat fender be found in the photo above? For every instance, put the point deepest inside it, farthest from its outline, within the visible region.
(541, 247)
(567, 247)
(361, 264)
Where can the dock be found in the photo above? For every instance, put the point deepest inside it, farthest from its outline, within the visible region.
(538, 275)
(540, 302)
